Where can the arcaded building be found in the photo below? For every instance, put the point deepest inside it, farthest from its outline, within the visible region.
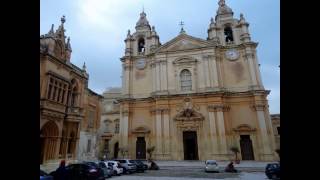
(194, 98)
(68, 108)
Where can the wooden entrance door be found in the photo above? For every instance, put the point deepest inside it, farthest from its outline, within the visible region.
(116, 150)
(190, 145)
(140, 148)
(246, 147)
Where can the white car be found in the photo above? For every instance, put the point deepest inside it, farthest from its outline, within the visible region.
(117, 170)
(211, 166)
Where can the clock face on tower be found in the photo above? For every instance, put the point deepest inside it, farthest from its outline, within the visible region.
(141, 64)
(232, 54)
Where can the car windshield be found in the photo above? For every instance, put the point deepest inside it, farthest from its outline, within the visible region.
(42, 173)
(211, 163)
(132, 161)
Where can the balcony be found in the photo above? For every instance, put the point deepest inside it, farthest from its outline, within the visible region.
(52, 105)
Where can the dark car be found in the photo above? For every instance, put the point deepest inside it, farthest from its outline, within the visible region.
(45, 176)
(273, 171)
(140, 166)
(145, 166)
(83, 171)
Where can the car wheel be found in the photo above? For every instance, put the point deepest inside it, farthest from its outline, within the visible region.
(274, 176)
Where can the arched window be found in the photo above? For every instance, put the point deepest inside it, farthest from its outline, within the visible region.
(185, 80)
(228, 34)
(141, 45)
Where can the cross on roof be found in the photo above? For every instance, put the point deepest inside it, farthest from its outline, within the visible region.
(181, 24)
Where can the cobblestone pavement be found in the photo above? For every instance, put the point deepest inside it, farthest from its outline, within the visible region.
(194, 170)
(224, 176)
(193, 173)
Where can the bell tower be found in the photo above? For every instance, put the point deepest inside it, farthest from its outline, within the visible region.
(144, 40)
(233, 34)
(225, 29)
(139, 45)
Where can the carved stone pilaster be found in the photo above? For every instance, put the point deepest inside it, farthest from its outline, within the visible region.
(218, 107)
(248, 55)
(259, 107)
(125, 113)
(126, 66)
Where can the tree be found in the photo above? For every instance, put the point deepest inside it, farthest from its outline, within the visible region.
(235, 150)
(150, 151)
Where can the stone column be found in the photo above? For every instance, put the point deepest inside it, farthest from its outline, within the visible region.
(215, 82)
(259, 108)
(206, 71)
(158, 132)
(213, 131)
(124, 125)
(250, 58)
(163, 74)
(166, 131)
(158, 85)
(126, 69)
(221, 129)
(153, 69)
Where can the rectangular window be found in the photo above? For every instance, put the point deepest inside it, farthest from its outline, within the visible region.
(116, 130)
(57, 90)
(89, 146)
(91, 118)
(278, 129)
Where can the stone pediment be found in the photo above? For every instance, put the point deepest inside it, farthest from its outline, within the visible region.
(183, 42)
(141, 129)
(244, 128)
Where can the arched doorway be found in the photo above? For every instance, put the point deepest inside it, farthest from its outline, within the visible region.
(140, 148)
(246, 147)
(116, 150)
(48, 141)
(190, 145)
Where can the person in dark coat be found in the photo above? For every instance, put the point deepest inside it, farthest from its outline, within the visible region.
(61, 172)
(230, 168)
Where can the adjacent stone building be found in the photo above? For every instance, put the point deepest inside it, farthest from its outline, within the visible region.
(65, 100)
(194, 98)
(110, 120)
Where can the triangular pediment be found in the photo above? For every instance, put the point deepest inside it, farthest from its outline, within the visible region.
(183, 42)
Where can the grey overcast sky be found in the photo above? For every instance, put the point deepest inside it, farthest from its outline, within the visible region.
(97, 29)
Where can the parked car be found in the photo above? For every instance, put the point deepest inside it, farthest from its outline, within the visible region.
(128, 167)
(116, 167)
(145, 161)
(273, 171)
(84, 170)
(45, 176)
(107, 170)
(140, 166)
(211, 166)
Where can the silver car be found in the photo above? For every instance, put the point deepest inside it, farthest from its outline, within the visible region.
(117, 170)
(128, 167)
(211, 166)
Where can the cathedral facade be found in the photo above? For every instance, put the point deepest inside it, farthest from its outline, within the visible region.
(193, 98)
